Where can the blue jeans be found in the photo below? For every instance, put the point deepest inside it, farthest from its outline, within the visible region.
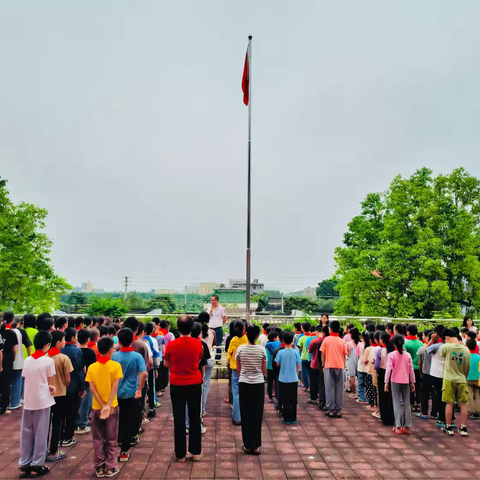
(85, 407)
(16, 391)
(305, 373)
(219, 337)
(206, 384)
(361, 387)
(236, 397)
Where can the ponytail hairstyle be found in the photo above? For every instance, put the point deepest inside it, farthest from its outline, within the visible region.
(371, 336)
(398, 342)
(366, 338)
(238, 327)
(203, 319)
(8, 317)
(355, 334)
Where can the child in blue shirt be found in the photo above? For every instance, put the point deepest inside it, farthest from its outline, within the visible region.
(129, 392)
(270, 347)
(473, 404)
(289, 362)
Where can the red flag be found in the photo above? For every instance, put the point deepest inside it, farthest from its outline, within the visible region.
(245, 81)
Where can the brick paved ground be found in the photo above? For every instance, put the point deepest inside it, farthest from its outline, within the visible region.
(356, 446)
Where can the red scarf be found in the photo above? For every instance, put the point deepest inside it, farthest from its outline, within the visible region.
(164, 331)
(391, 335)
(37, 354)
(473, 351)
(78, 328)
(334, 334)
(8, 326)
(103, 359)
(135, 338)
(440, 341)
(282, 345)
(127, 349)
(412, 337)
(383, 346)
(154, 335)
(70, 343)
(91, 344)
(53, 351)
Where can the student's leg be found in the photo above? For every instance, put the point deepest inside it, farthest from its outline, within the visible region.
(85, 407)
(206, 384)
(330, 389)
(258, 397)
(246, 404)
(98, 437)
(41, 424)
(361, 386)
(71, 412)
(313, 384)
(305, 373)
(293, 401)
(476, 404)
(321, 388)
(152, 395)
(407, 413)
(397, 407)
(219, 338)
(339, 373)
(236, 402)
(471, 397)
(425, 393)
(27, 438)
(441, 404)
(58, 422)
(418, 387)
(16, 392)
(270, 378)
(194, 401)
(111, 432)
(6, 388)
(127, 428)
(230, 395)
(448, 413)
(178, 394)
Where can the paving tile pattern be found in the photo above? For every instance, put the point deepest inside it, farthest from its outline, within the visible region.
(356, 446)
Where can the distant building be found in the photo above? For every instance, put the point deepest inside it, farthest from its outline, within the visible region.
(192, 289)
(310, 292)
(165, 291)
(233, 299)
(255, 286)
(206, 288)
(87, 286)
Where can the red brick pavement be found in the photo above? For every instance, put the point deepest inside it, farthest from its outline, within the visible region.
(356, 446)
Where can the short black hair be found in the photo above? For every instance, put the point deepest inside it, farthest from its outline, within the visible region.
(471, 344)
(60, 322)
(471, 334)
(412, 329)
(78, 322)
(30, 321)
(326, 331)
(8, 317)
(380, 327)
(335, 326)
(370, 327)
(253, 331)
(150, 328)
(297, 326)
(41, 339)
(448, 332)
(287, 338)
(306, 326)
(185, 324)
(265, 326)
(318, 328)
(464, 330)
(312, 328)
(163, 324)
(389, 326)
(272, 335)
(141, 328)
(125, 337)
(439, 330)
(215, 296)
(203, 317)
(44, 323)
(385, 337)
(57, 336)
(112, 330)
(71, 322)
(87, 321)
(132, 323)
(70, 334)
(104, 331)
(83, 336)
(104, 345)
(156, 320)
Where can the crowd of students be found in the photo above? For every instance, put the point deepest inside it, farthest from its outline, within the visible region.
(95, 375)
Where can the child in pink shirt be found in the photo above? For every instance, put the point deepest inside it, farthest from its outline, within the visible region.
(400, 367)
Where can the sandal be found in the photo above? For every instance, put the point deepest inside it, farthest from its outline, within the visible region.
(397, 431)
(111, 472)
(226, 400)
(246, 451)
(24, 471)
(38, 471)
(100, 472)
(406, 432)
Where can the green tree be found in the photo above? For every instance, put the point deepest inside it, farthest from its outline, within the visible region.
(301, 303)
(262, 300)
(136, 302)
(77, 298)
(28, 282)
(414, 250)
(106, 306)
(326, 288)
(165, 302)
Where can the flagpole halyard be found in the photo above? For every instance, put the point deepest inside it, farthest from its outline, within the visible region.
(249, 176)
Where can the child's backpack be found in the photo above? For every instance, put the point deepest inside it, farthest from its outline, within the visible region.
(155, 352)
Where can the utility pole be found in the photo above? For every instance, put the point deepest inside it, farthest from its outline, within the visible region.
(185, 299)
(126, 287)
(282, 302)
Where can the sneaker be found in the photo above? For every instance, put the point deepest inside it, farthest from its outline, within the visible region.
(68, 443)
(204, 429)
(463, 431)
(449, 431)
(55, 458)
(82, 431)
(181, 460)
(124, 456)
(14, 408)
(158, 405)
(312, 402)
(197, 458)
(440, 424)
(204, 414)
(151, 413)
(145, 421)
(135, 441)
(338, 415)
(187, 431)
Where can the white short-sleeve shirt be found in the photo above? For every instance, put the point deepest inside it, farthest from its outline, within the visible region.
(36, 373)
(216, 316)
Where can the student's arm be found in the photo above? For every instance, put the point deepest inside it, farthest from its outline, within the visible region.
(95, 394)
(107, 409)
(388, 371)
(141, 384)
(412, 374)
(149, 364)
(264, 367)
(239, 365)
(466, 364)
(50, 386)
(67, 378)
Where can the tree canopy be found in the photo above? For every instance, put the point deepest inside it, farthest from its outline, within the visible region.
(106, 306)
(414, 249)
(326, 288)
(28, 282)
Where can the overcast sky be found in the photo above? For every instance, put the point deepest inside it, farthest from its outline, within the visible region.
(125, 120)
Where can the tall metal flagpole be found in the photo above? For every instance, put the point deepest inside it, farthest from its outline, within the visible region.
(249, 57)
